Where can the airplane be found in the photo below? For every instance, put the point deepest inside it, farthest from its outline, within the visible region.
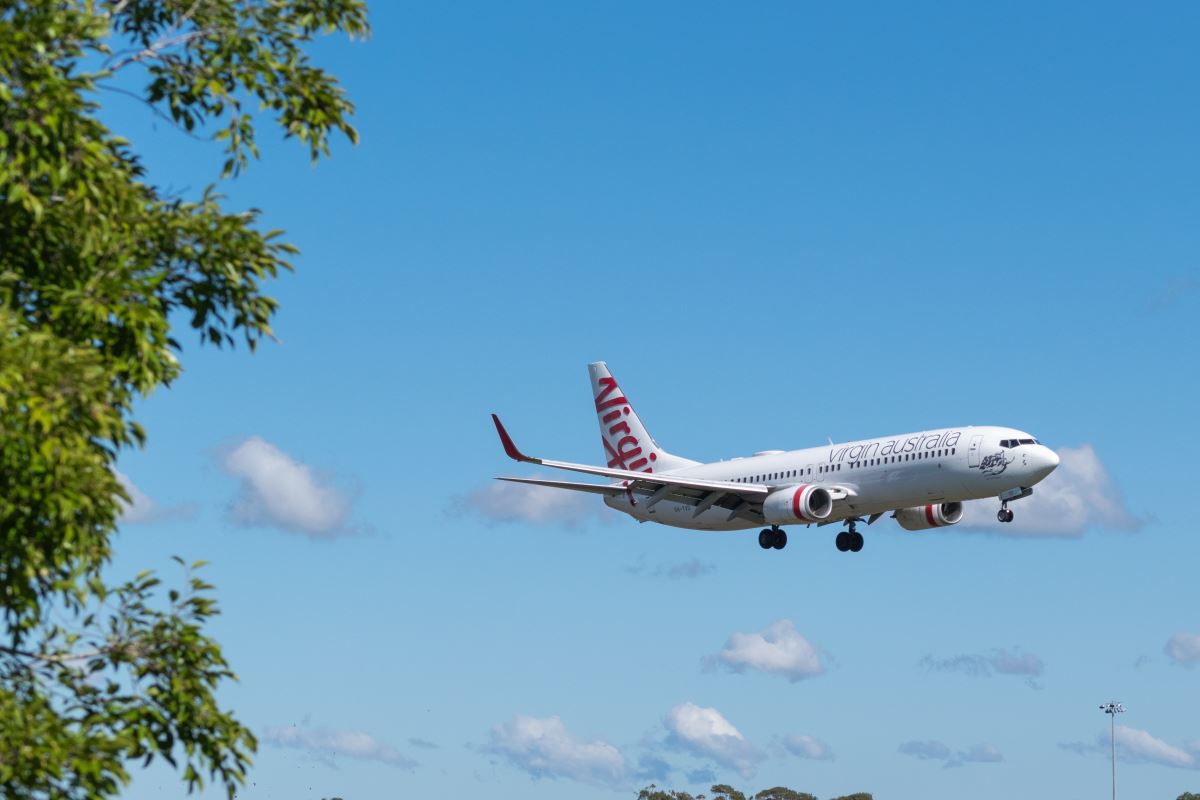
(921, 479)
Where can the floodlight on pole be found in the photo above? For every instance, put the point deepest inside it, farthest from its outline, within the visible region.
(1112, 709)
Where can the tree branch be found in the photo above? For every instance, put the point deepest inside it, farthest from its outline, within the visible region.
(162, 44)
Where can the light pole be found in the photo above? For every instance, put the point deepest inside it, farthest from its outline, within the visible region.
(1112, 709)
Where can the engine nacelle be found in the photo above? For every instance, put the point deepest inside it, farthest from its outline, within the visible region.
(805, 503)
(934, 515)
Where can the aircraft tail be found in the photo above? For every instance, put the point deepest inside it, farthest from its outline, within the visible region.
(627, 443)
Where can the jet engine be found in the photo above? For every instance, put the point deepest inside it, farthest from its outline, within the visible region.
(805, 503)
(935, 515)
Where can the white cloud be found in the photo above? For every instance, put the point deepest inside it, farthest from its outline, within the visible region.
(929, 749)
(1139, 747)
(1170, 290)
(505, 502)
(933, 750)
(281, 492)
(423, 744)
(803, 746)
(982, 754)
(141, 509)
(679, 570)
(1080, 494)
(994, 662)
(779, 649)
(706, 733)
(1183, 648)
(694, 568)
(545, 748)
(325, 744)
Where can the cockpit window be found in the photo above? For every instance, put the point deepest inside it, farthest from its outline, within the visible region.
(1017, 442)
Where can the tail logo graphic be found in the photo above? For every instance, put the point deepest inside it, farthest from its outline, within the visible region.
(624, 451)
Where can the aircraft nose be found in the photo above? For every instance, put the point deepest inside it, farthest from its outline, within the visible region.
(1045, 462)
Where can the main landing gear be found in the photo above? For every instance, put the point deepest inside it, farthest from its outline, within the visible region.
(770, 537)
(849, 540)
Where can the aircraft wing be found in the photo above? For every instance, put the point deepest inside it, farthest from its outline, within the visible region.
(610, 489)
(742, 499)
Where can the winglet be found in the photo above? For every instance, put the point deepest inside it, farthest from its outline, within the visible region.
(506, 440)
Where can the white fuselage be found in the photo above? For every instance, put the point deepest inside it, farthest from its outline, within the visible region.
(879, 475)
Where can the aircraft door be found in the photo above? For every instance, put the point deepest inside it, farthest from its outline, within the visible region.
(973, 452)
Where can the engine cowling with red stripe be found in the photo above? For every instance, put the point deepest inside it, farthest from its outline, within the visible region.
(804, 503)
(934, 515)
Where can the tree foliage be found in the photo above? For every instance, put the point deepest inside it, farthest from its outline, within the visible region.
(652, 792)
(95, 262)
(783, 793)
(724, 791)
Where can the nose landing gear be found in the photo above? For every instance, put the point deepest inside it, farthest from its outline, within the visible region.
(1004, 514)
(849, 540)
(772, 537)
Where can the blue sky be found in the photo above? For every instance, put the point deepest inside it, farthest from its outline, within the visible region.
(777, 224)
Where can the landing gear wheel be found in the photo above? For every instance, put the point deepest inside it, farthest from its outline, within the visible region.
(780, 540)
(1004, 515)
(856, 542)
(842, 542)
(765, 539)
(1008, 515)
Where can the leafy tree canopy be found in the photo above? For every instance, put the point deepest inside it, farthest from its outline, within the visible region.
(783, 793)
(652, 792)
(723, 791)
(94, 261)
